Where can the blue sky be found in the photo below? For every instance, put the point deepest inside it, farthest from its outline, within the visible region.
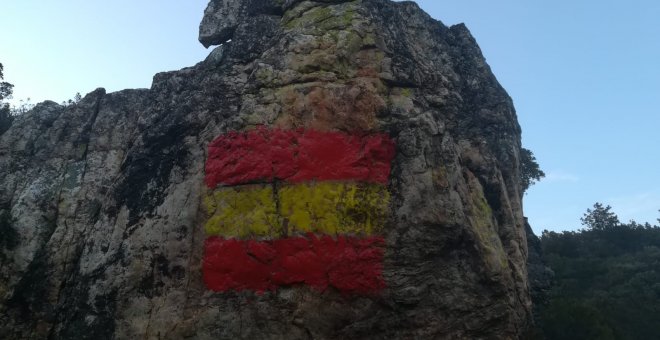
(584, 77)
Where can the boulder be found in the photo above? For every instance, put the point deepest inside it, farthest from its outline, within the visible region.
(118, 232)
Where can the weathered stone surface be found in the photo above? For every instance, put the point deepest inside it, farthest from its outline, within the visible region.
(223, 17)
(105, 197)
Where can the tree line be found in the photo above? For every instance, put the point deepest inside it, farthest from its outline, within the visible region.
(607, 279)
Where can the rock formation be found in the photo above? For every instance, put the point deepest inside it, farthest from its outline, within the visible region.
(333, 170)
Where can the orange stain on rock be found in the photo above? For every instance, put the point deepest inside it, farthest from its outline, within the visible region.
(338, 107)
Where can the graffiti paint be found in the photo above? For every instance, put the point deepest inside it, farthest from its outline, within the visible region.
(264, 155)
(335, 208)
(289, 207)
(351, 265)
(324, 207)
(242, 211)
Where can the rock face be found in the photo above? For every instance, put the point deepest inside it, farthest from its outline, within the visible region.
(540, 275)
(105, 213)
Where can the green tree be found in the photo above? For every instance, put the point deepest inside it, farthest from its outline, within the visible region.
(600, 218)
(606, 283)
(530, 172)
(6, 90)
(567, 319)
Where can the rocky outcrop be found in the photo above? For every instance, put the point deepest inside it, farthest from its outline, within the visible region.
(104, 203)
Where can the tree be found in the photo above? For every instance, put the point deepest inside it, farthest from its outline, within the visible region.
(5, 117)
(566, 319)
(606, 282)
(76, 99)
(600, 218)
(6, 90)
(530, 172)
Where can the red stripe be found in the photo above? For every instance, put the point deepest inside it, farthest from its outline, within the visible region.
(349, 264)
(296, 156)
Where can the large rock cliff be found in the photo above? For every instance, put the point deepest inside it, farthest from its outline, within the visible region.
(108, 230)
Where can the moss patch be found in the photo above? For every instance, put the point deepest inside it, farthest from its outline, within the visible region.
(323, 19)
(310, 17)
(482, 223)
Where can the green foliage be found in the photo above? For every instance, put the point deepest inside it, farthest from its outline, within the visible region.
(607, 280)
(571, 319)
(600, 218)
(530, 172)
(6, 90)
(5, 117)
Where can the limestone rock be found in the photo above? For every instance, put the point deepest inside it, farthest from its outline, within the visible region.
(104, 200)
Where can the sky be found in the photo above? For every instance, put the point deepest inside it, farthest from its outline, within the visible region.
(584, 77)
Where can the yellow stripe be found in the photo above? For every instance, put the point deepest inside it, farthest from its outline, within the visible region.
(325, 207)
(242, 211)
(334, 208)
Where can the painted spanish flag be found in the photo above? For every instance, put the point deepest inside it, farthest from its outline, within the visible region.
(292, 207)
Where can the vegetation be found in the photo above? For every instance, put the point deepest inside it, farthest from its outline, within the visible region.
(6, 90)
(8, 112)
(607, 280)
(530, 172)
(23, 107)
(600, 218)
(76, 98)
